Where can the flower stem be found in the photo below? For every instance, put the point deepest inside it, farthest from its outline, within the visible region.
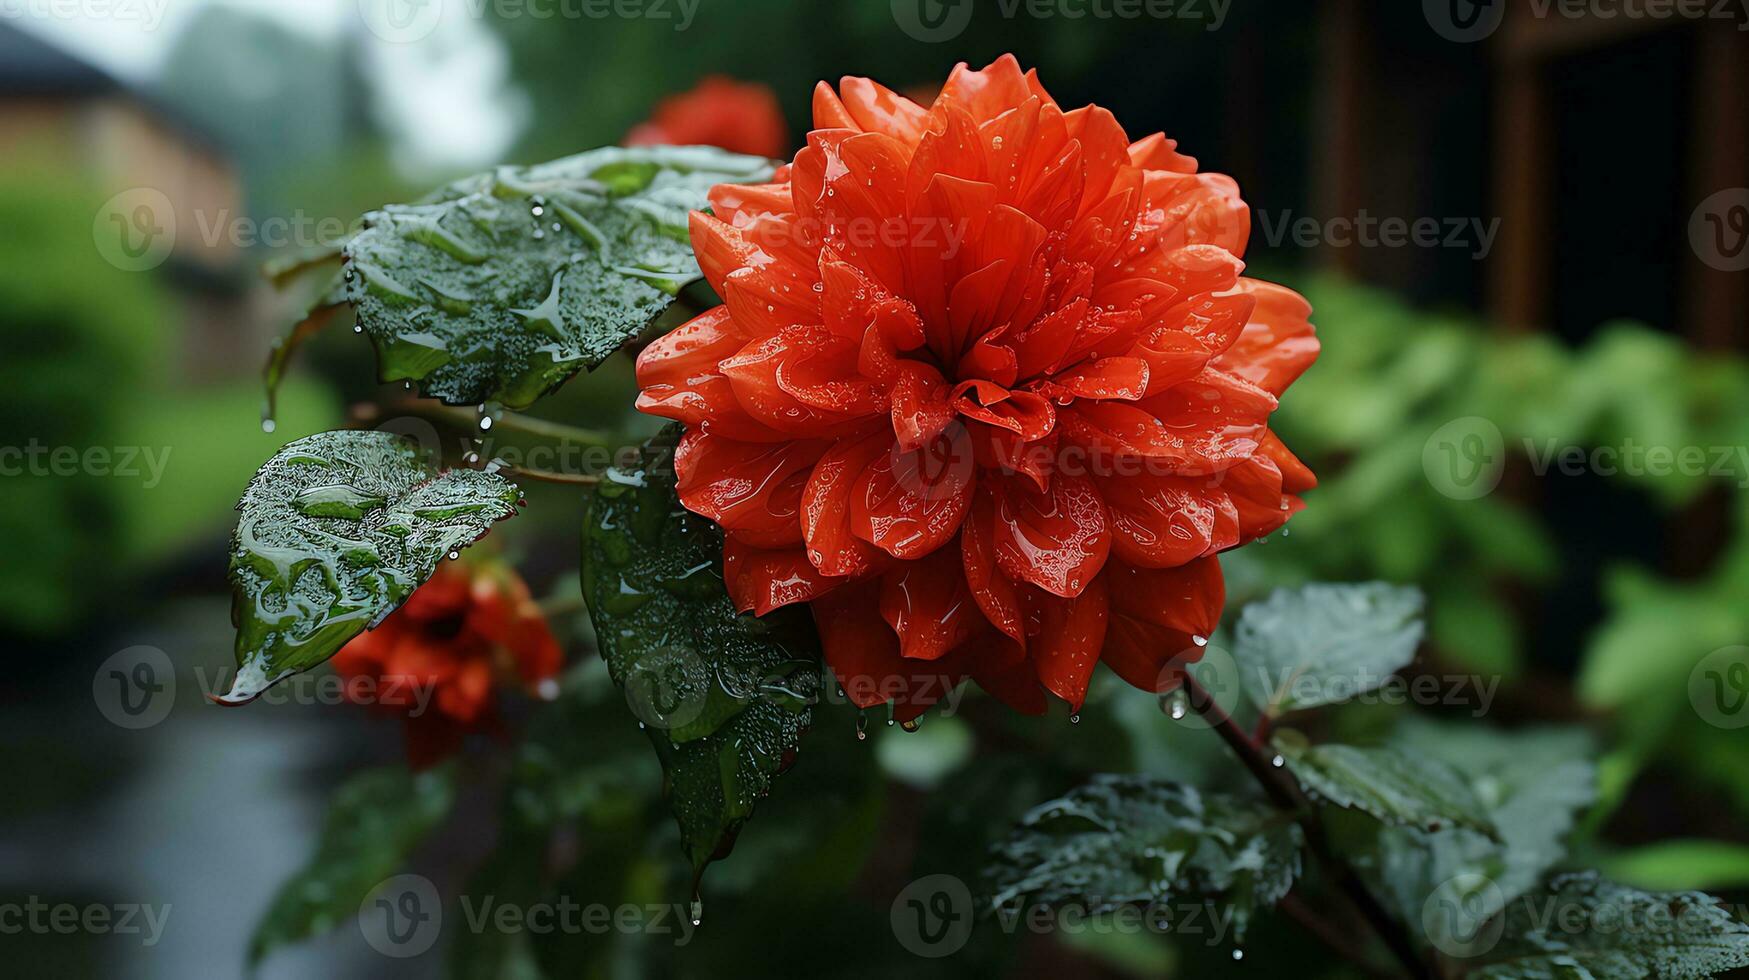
(1285, 792)
(547, 476)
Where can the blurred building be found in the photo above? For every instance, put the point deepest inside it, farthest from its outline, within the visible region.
(59, 110)
(63, 114)
(1599, 137)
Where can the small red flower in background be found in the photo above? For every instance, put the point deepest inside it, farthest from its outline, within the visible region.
(436, 661)
(741, 117)
(988, 390)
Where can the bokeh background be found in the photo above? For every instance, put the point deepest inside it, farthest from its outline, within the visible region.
(1586, 288)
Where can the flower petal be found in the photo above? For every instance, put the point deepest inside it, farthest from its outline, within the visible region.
(753, 490)
(1278, 343)
(913, 502)
(1070, 634)
(928, 605)
(762, 579)
(1057, 539)
(1157, 617)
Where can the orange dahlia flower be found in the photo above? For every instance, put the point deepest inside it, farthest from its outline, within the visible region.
(436, 660)
(741, 117)
(987, 390)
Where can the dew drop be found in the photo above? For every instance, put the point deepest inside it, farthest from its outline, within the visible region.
(268, 425)
(1200, 640)
(1238, 954)
(454, 555)
(697, 911)
(1278, 762)
(358, 328)
(909, 726)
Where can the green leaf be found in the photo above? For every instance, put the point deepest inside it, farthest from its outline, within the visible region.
(336, 531)
(501, 286)
(1130, 839)
(1583, 926)
(373, 822)
(1322, 644)
(723, 697)
(1397, 788)
(1532, 785)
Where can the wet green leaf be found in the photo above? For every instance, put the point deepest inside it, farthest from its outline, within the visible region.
(1323, 644)
(1533, 784)
(501, 286)
(1584, 926)
(1411, 791)
(336, 531)
(1137, 840)
(723, 697)
(373, 822)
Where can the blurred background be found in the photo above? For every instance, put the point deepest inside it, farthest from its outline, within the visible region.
(1525, 230)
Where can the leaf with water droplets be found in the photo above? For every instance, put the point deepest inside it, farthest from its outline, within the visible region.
(1325, 644)
(501, 286)
(1584, 926)
(336, 531)
(1392, 786)
(724, 697)
(1140, 840)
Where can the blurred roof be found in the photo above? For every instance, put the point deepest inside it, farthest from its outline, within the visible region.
(32, 66)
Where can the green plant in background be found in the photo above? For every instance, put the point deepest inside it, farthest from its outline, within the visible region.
(1395, 381)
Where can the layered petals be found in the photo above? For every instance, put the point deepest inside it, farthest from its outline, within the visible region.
(989, 390)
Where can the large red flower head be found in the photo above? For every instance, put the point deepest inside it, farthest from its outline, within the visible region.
(987, 389)
(436, 660)
(741, 117)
